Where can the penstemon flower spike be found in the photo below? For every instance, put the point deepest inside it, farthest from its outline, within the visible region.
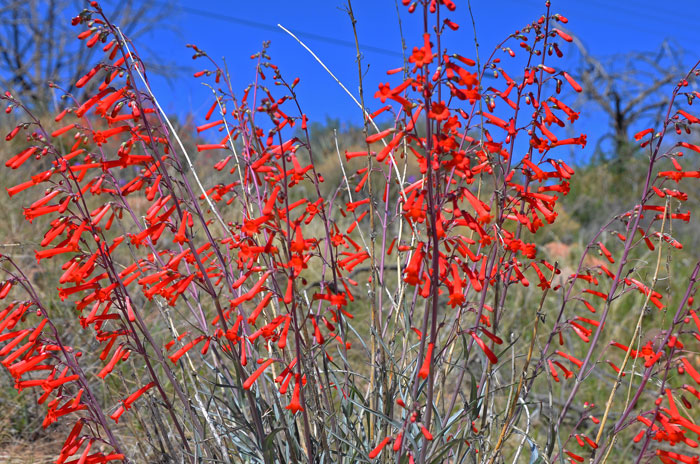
(269, 260)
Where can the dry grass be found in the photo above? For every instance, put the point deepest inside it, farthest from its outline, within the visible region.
(34, 452)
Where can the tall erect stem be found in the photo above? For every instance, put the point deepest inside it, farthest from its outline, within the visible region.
(377, 373)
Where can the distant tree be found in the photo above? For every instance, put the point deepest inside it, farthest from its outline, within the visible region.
(631, 89)
(37, 43)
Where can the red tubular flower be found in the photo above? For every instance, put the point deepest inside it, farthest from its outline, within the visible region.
(481, 208)
(117, 414)
(258, 309)
(205, 147)
(571, 115)
(567, 373)
(378, 449)
(62, 130)
(295, 404)
(380, 135)
(18, 337)
(671, 457)
(282, 342)
(258, 372)
(289, 294)
(188, 346)
(317, 332)
(101, 137)
(641, 134)
(181, 235)
(254, 290)
(384, 92)
(270, 203)
(690, 370)
(51, 252)
(381, 156)
(439, 111)
(411, 271)
(487, 351)
(546, 132)
(12, 133)
(84, 455)
(563, 35)
(550, 118)
(574, 360)
(397, 442)
(606, 253)
(72, 443)
(19, 159)
(574, 456)
(119, 354)
(86, 78)
(422, 56)
(456, 292)
(494, 338)
(496, 121)
(134, 396)
(5, 289)
(691, 147)
(696, 319)
(425, 368)
(209, 125)
(552, 371)
(572, 82)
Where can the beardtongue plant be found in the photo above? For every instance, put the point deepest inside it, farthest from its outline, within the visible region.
(272, 317)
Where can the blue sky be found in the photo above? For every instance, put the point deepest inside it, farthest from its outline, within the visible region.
(235, 30)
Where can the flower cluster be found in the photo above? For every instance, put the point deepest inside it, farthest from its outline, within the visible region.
(243, 288)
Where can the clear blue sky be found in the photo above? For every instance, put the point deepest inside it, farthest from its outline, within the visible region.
(236, 30)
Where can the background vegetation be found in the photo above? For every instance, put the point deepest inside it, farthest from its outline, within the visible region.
(631, 91)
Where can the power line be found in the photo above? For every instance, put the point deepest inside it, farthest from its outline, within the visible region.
(632, 15)
(275, 29)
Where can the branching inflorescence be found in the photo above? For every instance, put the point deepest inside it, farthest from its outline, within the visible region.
(231, 318)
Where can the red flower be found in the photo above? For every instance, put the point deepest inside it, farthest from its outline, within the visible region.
(134, 396)
(487, 351)
(258, 372)
(439, 111)
(295, 404)
(375, 452)
(425, 368)
(456, 291)
(572, 82)
(384, 92)
(412, 277)
(422, 56)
